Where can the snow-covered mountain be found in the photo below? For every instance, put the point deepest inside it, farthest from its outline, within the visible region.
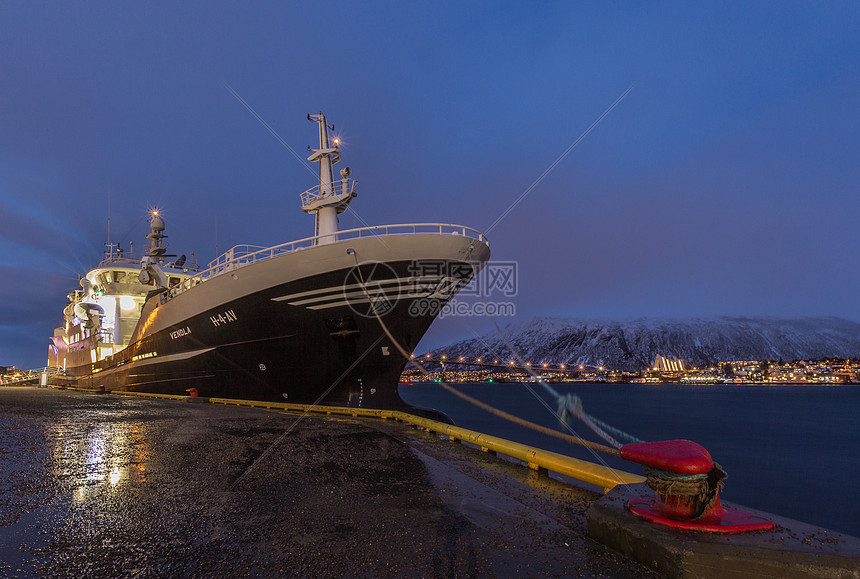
(633, 344)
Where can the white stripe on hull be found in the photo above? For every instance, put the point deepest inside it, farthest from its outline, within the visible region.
(343, 288)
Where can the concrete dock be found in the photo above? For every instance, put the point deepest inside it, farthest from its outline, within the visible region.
(95, 485)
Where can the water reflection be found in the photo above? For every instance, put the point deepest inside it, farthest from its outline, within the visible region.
(95, 454)
(103, 457)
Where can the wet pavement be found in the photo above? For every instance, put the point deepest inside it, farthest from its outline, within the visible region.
(106, 485)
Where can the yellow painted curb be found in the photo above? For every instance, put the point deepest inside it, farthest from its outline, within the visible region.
(148, 395)
(599, 475)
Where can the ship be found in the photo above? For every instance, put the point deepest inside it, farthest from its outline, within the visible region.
(330, 319)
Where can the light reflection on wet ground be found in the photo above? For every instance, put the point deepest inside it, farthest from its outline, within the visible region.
(102, 485)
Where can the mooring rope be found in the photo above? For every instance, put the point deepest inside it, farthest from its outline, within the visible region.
(532, 425)
(703, 488)
(568, 406)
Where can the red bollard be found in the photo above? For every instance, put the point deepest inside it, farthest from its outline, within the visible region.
(687, 485)
(192, 392)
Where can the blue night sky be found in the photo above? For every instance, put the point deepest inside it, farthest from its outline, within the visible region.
(724, 183)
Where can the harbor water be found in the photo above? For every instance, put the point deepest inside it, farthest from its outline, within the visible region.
(790, 450)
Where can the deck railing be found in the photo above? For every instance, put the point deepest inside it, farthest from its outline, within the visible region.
(242, 255)
(335, 188)
(24, 376)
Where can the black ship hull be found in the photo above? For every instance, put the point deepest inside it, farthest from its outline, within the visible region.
(315, 339)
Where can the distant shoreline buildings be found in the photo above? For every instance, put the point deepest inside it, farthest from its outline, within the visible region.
(664, 370)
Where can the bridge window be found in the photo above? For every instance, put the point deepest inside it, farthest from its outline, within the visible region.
(119, 277)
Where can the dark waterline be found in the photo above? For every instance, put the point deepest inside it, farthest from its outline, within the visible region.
(789, 450)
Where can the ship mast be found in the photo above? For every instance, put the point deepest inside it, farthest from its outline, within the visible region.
(328, 199)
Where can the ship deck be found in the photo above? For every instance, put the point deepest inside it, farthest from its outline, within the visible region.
(105, 485)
